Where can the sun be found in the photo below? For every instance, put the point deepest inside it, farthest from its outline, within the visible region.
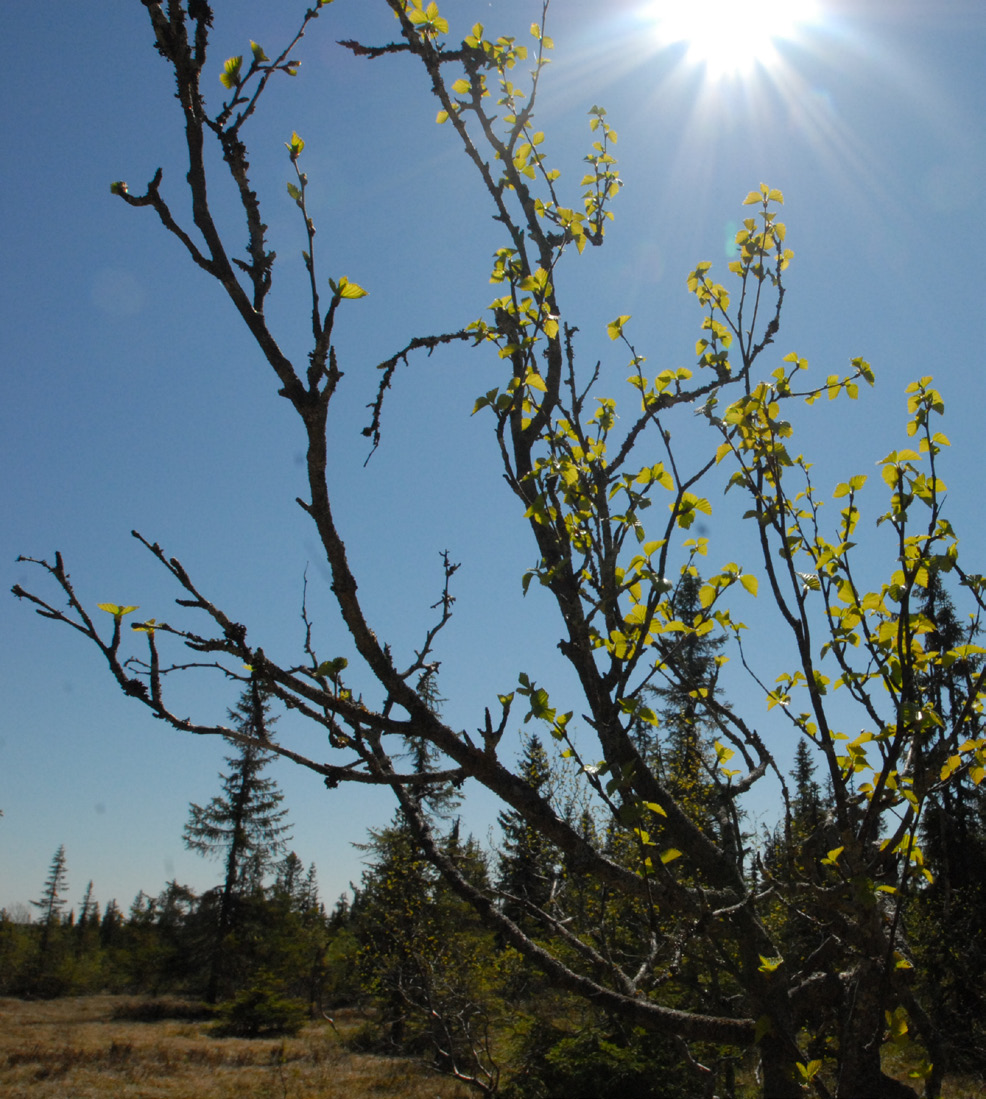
(729, 36)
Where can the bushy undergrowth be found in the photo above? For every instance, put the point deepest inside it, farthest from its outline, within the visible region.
(601, 1061)
(261, 1010)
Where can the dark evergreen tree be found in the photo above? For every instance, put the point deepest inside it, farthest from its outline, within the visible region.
(527, 865)
(804, 836)
(110, 925)
(686, 703)
(18, 955)
(389, 919)
(87, 930)
(243, 826)
(53, 895)
(807, 805)
(179, 949)
(422, 953)
(947, 922)
(311, 888)
(51, 904)
(290, 883)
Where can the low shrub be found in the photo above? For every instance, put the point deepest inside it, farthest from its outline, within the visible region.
(261, 1010)
(599, 1062)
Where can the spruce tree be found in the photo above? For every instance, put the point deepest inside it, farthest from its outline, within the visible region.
(243, 826)
(289, 882)
(53, 895)
(87, 925)
(685, 704)
(527, 863)
(948, 919)
(51, 904)
(423, 953)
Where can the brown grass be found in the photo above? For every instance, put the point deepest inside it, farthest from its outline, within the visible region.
(90, 1047)
(78, 1048)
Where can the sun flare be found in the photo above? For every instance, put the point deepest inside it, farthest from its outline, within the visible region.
(729, 36)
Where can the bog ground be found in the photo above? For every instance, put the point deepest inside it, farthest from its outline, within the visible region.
(79, 1048)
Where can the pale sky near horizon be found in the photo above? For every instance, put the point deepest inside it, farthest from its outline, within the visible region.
(133, 399)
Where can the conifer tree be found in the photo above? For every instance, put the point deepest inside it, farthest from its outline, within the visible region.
(51, 904)
(422, 953)
(527, 863)
(389, 918)
(948, 920)
(290, 883)
(53, 895)
(110, 925)
(686, 703)
(243, 826)
(87, 925)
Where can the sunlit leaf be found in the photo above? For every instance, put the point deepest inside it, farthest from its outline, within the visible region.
(347, 289)
(230, 76)
(116, 610)
(615, 328)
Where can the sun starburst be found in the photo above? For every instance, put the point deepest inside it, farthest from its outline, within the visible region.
(729, 37)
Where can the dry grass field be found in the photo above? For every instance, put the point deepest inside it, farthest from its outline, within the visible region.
(90, 1047)
(78, 1048)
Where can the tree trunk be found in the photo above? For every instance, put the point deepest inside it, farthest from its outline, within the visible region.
(860, 1034)
(779, 1078)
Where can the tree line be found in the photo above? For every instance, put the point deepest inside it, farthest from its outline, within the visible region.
(680, 937)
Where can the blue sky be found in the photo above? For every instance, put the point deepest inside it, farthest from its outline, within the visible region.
(132, 399)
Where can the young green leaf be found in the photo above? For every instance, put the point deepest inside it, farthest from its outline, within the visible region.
(115, 609)
(615, 328)
(347, 289)
(230, 76)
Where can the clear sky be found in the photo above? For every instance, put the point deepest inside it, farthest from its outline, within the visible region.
(132, 399)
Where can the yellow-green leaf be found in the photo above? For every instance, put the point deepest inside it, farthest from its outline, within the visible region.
(230, 76)
(952, 764)
(116, 610)
(615, 328)
(347, 289)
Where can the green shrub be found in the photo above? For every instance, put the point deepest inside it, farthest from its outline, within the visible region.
(601, 1061)
(261, 1010)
